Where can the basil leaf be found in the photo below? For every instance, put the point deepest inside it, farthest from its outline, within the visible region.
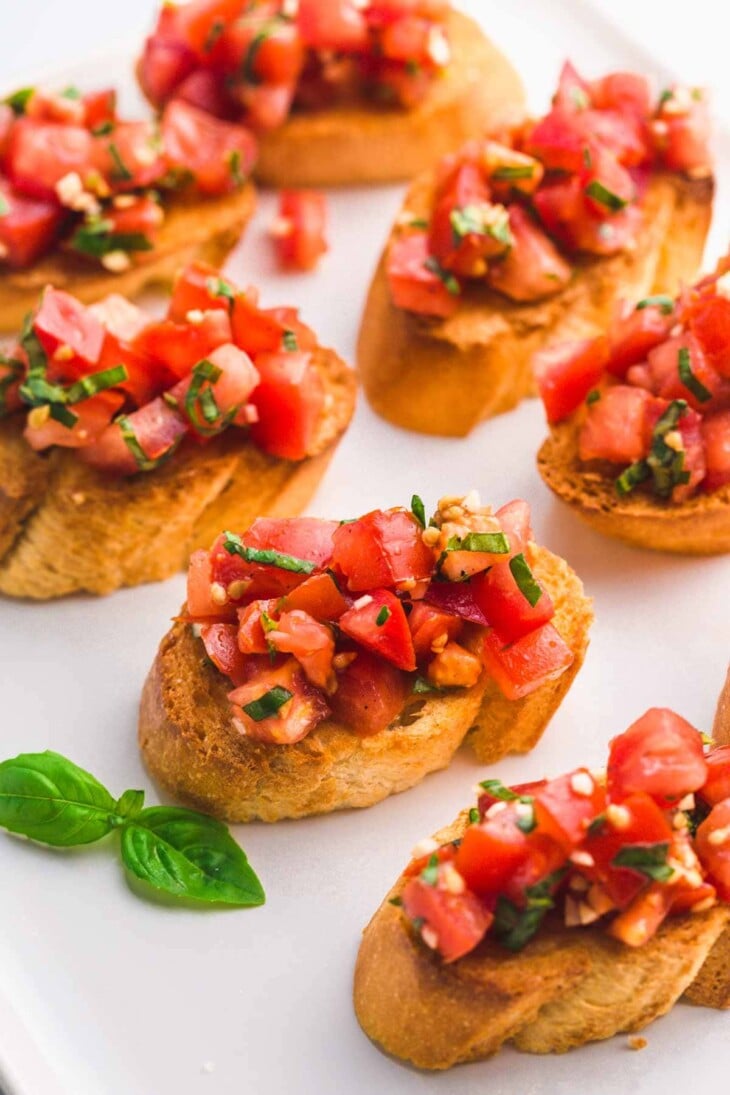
(629, 479)
(495, 543)
(189, 855)
(267, 556)
(529, 588)
(18, 101)
(664, 303)
(497, 789)
(473, 816)
(383, 616)
(507, 172)
(49, 799)
(688, 378)
(418, 510)
(647, 859)
(421, 685)
(430, 873)
(130, 804)
(289, 341)
(605, 197)
(120, 172)
(515, 925)
(217, 287)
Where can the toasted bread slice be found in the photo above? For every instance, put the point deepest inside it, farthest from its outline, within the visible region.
(193, 749)
(698, 526)
(348, 144)
(67, 527)
(443, 376)
(206, 229)
(567, 987)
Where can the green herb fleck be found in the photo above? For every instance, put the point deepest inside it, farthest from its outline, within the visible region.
(688, 378)
(383, 616)
(18, 100)
(648, 859)
(121, 172)
(529, 588)
(450, 282)
(659, 300)
(267, 556)
(418, 510)
(268, 704)
(605, 197)
(514, 926)
(430, 873)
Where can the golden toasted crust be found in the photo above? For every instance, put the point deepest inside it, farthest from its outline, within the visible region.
(699, 526)
(193, 749)
(205, 229)
(67, 527)
(443, 376)
(567, 987)
(365, 144)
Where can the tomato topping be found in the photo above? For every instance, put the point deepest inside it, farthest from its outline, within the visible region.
(615, 427)
(491, 852)
(299, 229)
(716, 439)
(717, 784)
(383, 548)
(378, 622)
(302, 709)
(565, 807)
(178, 347)
(221, 646)
(370, 694)
(532, 268)
(252, 638)
(319, 596)
(713, 846)
(660, 754)
(432, 628)
(680, 370)
(709, 321)
(40, 154)
(520, 668)
(566, 373)
(62, 321)
(457, 922)
(219, 154)
(457, 599)
(196, 290)
(200, 602)
(634, 333)
(415, 283)
(312, 644)
(513, 611)
(289, 402)
(162, 68)
(332, 24)
(28, 226)
(147, 437)
(92, 418)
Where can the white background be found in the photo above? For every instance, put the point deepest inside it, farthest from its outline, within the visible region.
(102, 994)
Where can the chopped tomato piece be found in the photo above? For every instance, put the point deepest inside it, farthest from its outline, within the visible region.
(206, 91)
(565, 807)
(200, 603)
(540, 656)
(319, 596)
(302, 538)
(378, 622)
(294, 719)
(532, 268)
(615, 427)
(221, 646)
(713, 846)
(383, 548)
(634, 333)
(709, 321)
(92, 418)
(558, 142)
(682, 132)
(370, 694)
(164, 65)
(332, 24)
(154, 432)
(457, 599)
(466, 228)
(299, 229)
(62, 321)
(457, 922)
(717, 785)
(566, 373)
(219, 154)
(289, 402)
(131, 156)
(177, 347)
(415, 284)
(491, 851)
(196, 290)
(660, 754)
(40, 154)
(28, 226)
(311, 643)
(638, 821)
(430, 627)
(251, 637)
(680, 370)
(716, 438)
(507, 607)
(514, 518)
(231, 389)
(625, 92)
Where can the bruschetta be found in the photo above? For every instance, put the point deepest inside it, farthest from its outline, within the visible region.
(514, 242)
(639, 417)
(95, 204)
(321, 665)
(127, 441)
(339, 91)
(561, 911)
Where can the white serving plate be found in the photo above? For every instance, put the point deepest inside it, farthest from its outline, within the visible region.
(104, 994)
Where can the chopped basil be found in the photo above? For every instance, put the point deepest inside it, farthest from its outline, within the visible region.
(412, 67)
(200, 405)
(268, 704)
(397, 901)
(217, 287)
(497, 789)
(216, 29)
(506, 173)
(234, 166)
(143, 461)
(248, 73)
(696, 816)
(430, 873)
(593, 396)
(422, 686)
(15, 369)
(450, 282)
(514, 925)
(18, 101)
(289, 340)
(648, 859)
(596, 826)
(418, 510)
(495, 543)
(665, 96)
(688, 378)
(473, 816)
(605, 197)
(629, 479)
(664, 303)
(4, 207)
(97, 238)
(587, 157)
(121, 172)
(267, 623)
(267, 556)
(383, 616)
(71, 92)
(95, 383)
(480, 220)
(418, 222)
(664, 464)
(63, 415)
(529, 588)
(103, 129)
(580, 98)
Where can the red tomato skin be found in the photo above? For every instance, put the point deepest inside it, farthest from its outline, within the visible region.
(717, 785)
(515, 519)
(490, 853)
(289, 401)
(464, 256)
(29, 227)
(305, 538)
(716, 440)
(567, 372)
(645, 824)
(709, 321)
(428, 624)
(62, 320)
(563, 813)
(370, 694)
(41, 153)
(557, 142)
(205, 145)
(660, 754)
(413, 286)
(191, 292)
(505, 605)
(459, 921)
(256, 330)
(518, 669)
(163, 66)
(633, 334)
(93, 417)
(533, 268)
(204, 90)
(615, 427)
(332, 24)
(457, 599)
(715, 857)
(664, 366)
(319, 596)
(177, 347)
(157, 428)
(305, 214)
(251, 637)
(383, 548)
(622, 91)
(221, 646)
(312, 644)
(391, 639)
(200, 604)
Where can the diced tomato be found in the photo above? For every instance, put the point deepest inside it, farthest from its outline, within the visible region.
(51, 106)
(294, 719)
(143, 379)
(92, 418)
(264, 50)
(532, 268)
(458, 921)
(465, 200)
(567, 372)
(40, 154)
(544, 857)
(665, 362)
(381, 625)
(311, 643)
(491, 851)
(456, 598)
(255, 330)
(266, 106)
(28, 226)
(299, 229)
(231, 390)
(289, 324)
(414, 285)
(158, 430)
(332, 24)
(164, 65)
(573, 93)
(429, 625)
(636, 925)
(538, 657)
(717, 785)
(681, 136)
(607, 185)
(565, 807)
(689, 428)
(634, 333)
(200, 604)
(514, 518)
(408, 39)
(558, 142)
(563, 209)
(319, 596)
(100, 107)
(62, 320)
(709, 321)
(622, 135)
(251, 637)
(205, 90)
(196, 22)
(194, 290)
(506, 607)
(381, 549)
(454, 667)
(305, 538)
(142, 217)
(660, 754)
(219, 154)
(640, 822)
(716, 438)
(221, 646)
(713, 846)
(289, 402)
(625, 92)
(177, 347)
(370, 694)
(130, 157)
(615, 427)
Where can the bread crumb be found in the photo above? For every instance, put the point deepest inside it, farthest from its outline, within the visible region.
(636, 1042)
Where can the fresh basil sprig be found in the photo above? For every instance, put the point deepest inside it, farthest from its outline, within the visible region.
(47, 798)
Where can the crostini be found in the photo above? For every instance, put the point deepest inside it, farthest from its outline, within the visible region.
(97, 204)
(562, 911)
(127, 442)
(639, 417)
(321, 665)
(507, 245)
(339, 92)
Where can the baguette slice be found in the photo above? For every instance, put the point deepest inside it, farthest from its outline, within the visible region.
(206, 229)
(66, 527)
(566, 988)
(698, 526)
(443, 376)
(366, 144)
(192, 748)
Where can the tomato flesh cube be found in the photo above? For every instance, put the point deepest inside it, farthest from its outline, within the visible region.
(491, 852)
(200, 604)
(28, 226)
(251, 636)
(709, 321)
(383, 548)
(221, 646)
(505, 606)
(92, 418)
(533, 268)
(163, 66)
(458, 921)
(660, 754)
(716, 439)
(289, 402)
(157, 427)
(302, 220)
(381, 625)
(306, 538)
(633, 335)
(217, 153)
(41, 153)
(332, 24)
(370, 694)
(177, 347)
(558, 142)
(61, 320)
(615, 427)
(414, 286)
(664, 365)
(311, 643)
(715, 857)
(565, 807)
(518, 669)
(566, 373)
(191, 292)
(643, 823)
(717, 785)
(428, 624)
(296, 718)
(319, 596)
